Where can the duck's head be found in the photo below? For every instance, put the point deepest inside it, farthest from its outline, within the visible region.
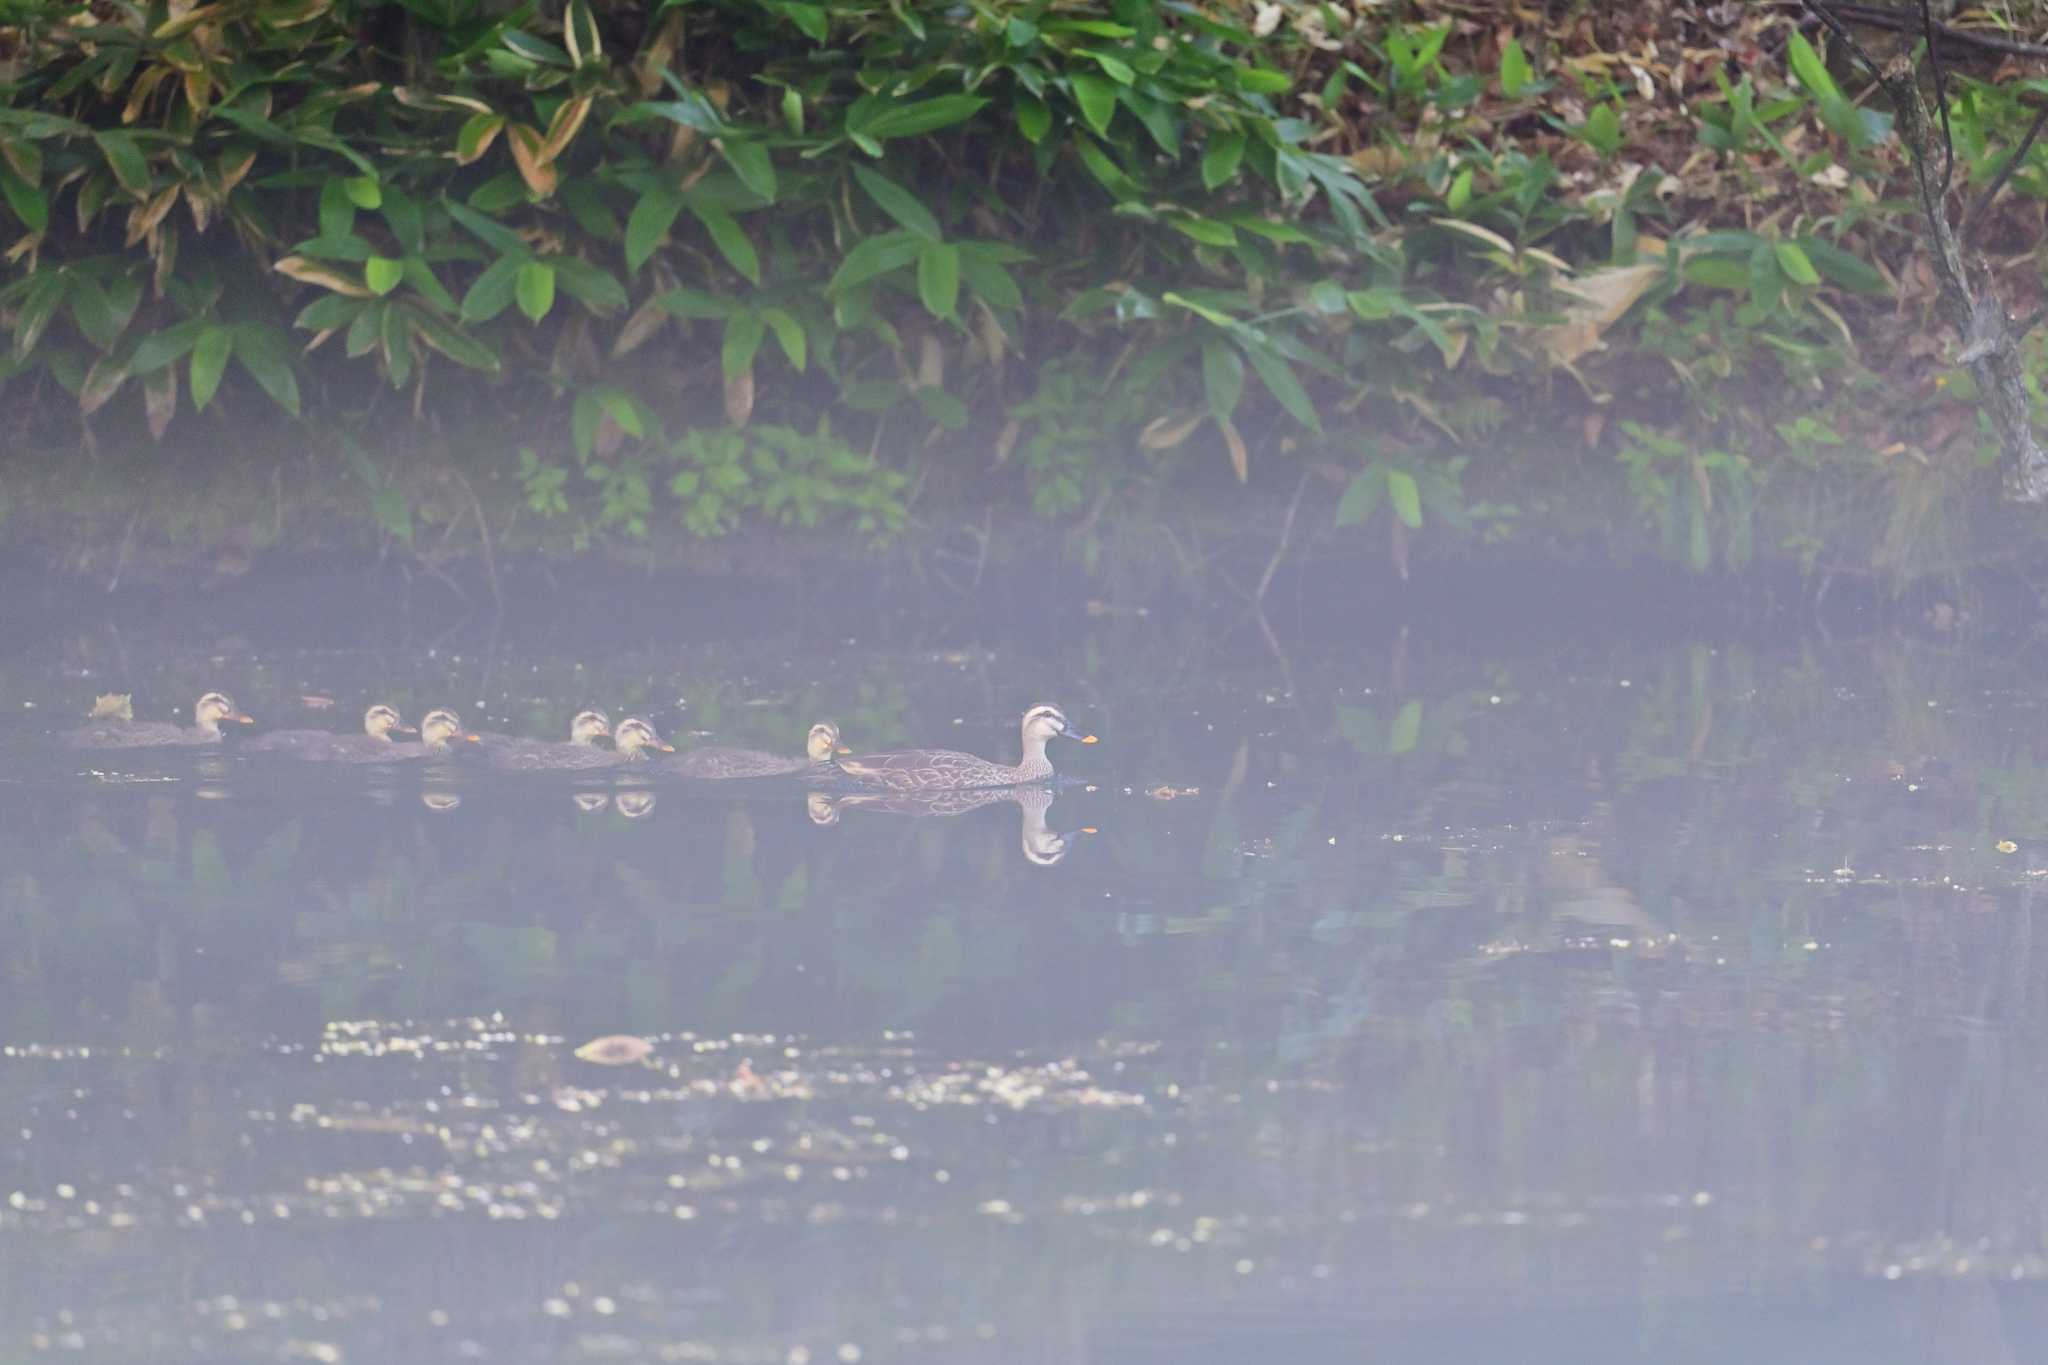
(589, 727)
(213, 708)
(635, 734)
(440, 726)
(112, 706)
(381, 722)
(823, 742)
(1042, 722)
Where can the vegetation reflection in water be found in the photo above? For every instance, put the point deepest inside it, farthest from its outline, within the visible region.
(1660, 982)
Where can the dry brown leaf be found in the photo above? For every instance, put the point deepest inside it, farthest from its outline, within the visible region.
(160, 400)
(1600, 299)
(526, 143)
(1240, 458)
(101, 382)
(1164, 433)
(1006, 439)
(564, 126)
(326, 276)
(931, 362)
(617, 1049)
(739, 397)
(647, 319)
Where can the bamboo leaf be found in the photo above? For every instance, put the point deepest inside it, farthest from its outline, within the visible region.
(534, 288)
(1405, 497)
(730, 239)
(938, 278)
(899, 203)
(1221, 157)
(209, 362)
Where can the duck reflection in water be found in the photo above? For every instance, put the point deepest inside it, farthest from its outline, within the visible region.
(1042, 844)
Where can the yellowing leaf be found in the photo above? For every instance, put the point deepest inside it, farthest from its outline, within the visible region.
(526, 143)
(1600, 298)
(326, 276)
(1240, 458)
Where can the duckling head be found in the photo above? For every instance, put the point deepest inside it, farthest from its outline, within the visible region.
(589, 727)
(823, 742)
(381, 722)
(441, 725)
(635, 734)
(213, 708)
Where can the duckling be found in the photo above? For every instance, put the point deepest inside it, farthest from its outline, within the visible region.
(112, 706)
(380, 722)
(440, 730)
(928, 770)
(716, 762)
(585, 730)
(630, 738)
(115, 731)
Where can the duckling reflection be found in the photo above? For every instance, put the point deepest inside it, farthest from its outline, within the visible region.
(913, 771)
(633, 738)
(380, 722)
(516, 752)
(716, 762)
(113, 729)
(591, 802)
(1042, 844)
(440, 800)
(634, 805)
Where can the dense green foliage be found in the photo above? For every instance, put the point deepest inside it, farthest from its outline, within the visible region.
(810, 262)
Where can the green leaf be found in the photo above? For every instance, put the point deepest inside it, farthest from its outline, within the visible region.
(594, 288)
(1514, 68)
(1811, 70)
(1406, 498)
(1280, 381)
(337, 210)
(471, 136)
(488, 229)
(743, 333)
(491, 292)
(1222, 377)
(649, 222)
(421, 276)
(161, 348)
(623, 411)
(1221, 157)
(29, 203)
(1207, 231)
(693, 305)
(1033, 118)
(1362, 497)
(793, 110)
(381, 273)
(730, 239)
(457, 345)
(891, 118)
(751, 163)
(209, 363)
(261, 352)
(1716, 272)
(364, 192)
(899, 204)
(809, 19)
(402, 212)
(125, 159)
(1840, 267)
(1106, 171)
(1406, 729)
(789, 333)
(873, 256)
(95, 314)
(1097, 98)
(1116, 68)
(1259, 80)
(1795, 263)
(938, 278)
(995, 286)
(535, 289)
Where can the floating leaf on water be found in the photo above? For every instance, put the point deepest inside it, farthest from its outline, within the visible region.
(2007, 846)
(618, 1049)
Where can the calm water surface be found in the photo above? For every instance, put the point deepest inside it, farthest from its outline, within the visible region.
(1412, 1000)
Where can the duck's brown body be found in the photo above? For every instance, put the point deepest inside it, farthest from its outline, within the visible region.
(935, 770)
(717, 762)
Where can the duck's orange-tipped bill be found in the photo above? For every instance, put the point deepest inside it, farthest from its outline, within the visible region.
(405, 729)
(1090, 829)
(242, 718)
(1090, 739)
(842, 749)
(474, 739)
(664, 746)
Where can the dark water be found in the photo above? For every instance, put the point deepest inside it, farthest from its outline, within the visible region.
(1417, 999)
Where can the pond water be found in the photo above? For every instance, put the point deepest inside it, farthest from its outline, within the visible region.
(1368, 994)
